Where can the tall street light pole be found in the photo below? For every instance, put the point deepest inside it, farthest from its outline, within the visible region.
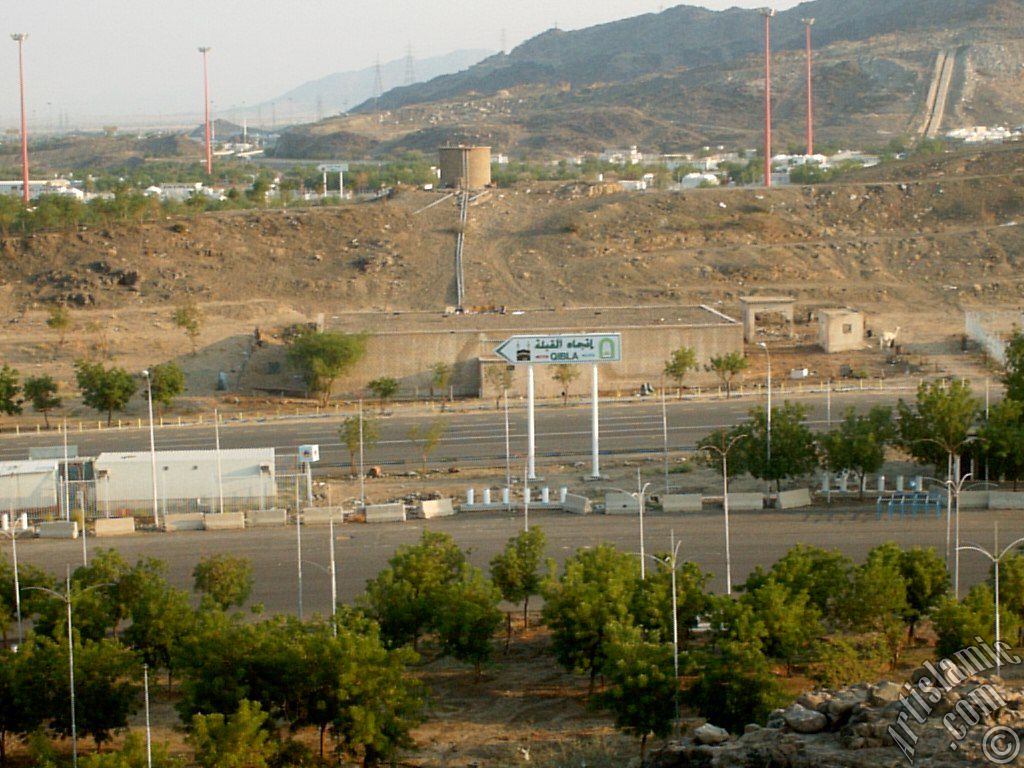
(13, 533)
(639, 496)
(723, 452)
(768, 414)
(808, 23)
(205, 50)
(20, 38)
(767, 13)
(152, 446)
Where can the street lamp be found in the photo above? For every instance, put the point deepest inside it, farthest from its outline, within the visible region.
(768, 13)
(953, 490)
(13, 533)
(152, 445)
(808, 23)
(66, 598)
(768, 414)
(205, 50)
(332, 572)
(996, 559)
(672, 561)
(723, 452)
(639, 496)
(20, 38)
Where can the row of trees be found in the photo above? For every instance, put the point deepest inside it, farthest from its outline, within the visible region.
(726, 366)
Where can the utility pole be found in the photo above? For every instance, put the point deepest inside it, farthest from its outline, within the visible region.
(20, 38)
(205, 50)
(808, 23)
(768, 13)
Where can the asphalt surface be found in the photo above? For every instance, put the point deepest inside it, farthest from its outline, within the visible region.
(362, 550)
(475, 438)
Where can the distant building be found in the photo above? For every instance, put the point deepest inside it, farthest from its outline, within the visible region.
(465, 166)
(695, 180)
(840, 330)
(38, 188)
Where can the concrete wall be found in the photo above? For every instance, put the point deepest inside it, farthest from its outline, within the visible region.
(228, 521)
(114, 526)
(795, 499)
(58, 530)
(681, 502)
(385, 513)
(183, 521)
(436, 508)
(577, 505)
(840, 330)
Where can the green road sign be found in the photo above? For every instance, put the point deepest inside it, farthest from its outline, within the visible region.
(562, 349)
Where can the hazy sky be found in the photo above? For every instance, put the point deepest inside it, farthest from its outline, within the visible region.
(135, 58)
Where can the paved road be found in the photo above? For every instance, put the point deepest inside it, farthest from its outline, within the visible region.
(473, 438)
(362, 550)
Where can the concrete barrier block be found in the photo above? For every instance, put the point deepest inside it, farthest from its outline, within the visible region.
(385, 513)
(682, 502)
(974, 500)
(745, 502)
(59, 529)
(621, 504)
(436, 508)
(265, 518)
(114, 526)
(577, 505)
(183, 521)
(323, 515)
(1003, 500)
(228, 521)
(795, 499)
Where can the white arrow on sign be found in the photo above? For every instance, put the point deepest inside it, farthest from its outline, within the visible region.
(563, 349)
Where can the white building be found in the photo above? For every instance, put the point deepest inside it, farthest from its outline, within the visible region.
(28, 486)
(695, 180)
(37, 188)
(186, 479)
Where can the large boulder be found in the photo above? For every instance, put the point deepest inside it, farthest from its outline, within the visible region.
(803, 720)
(710, 734)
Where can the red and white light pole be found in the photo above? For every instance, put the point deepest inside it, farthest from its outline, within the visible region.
(767, 13)
(808, 23)
(20, 39)
(205, 50)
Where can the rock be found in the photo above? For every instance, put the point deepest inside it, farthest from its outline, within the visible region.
(711, 734)
(885, 692)
(803, 720)
(839, 707)
(813, 700)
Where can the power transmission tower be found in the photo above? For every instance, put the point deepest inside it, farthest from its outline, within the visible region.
(410, 66)
(378, 88)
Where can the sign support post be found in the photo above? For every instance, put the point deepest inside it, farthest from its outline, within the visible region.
(595, 458)
(531, 430)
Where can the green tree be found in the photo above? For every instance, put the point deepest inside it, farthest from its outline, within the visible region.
(349, 434)
(682, 361)
(840, 661)
(189, 318)
(161, 616)
(652, 601)
(791, 621)
(927, 580)
(727, 367)
(499, 377)
(516, 570)
(41, 391)
(595, 590)
(792, 444)
(440, 375)
(877, 602)
(25, 696)
(383, 388)
(565, 375)
(936, 430)
(406, 596)
(10, 402)
(322, 358)
(734, 686)
(958, 625)
(59, 320)
(240, 740)
(858, 444)
(224, 579)
(642, 687)
(104, 390)
(1013, 376)
(133, 754)
(426, 439)
(168, 382)
(823, 574)
(1002, 436)
(468, 618)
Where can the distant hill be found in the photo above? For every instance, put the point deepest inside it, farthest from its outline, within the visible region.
(337, 93)
(686, 77)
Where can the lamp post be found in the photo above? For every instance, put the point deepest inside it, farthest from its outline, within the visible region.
(13, 533)
(66, 598)
(768, 13)
(149, 733)
(953, 490)
(672, 561)
(205, 50)
(20, 38)
(639, 496)
(723, 452)
(152, 445)
(768, 413)
(996, 559)
(808, 23)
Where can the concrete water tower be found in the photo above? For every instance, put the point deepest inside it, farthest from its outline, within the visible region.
(465, 166)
